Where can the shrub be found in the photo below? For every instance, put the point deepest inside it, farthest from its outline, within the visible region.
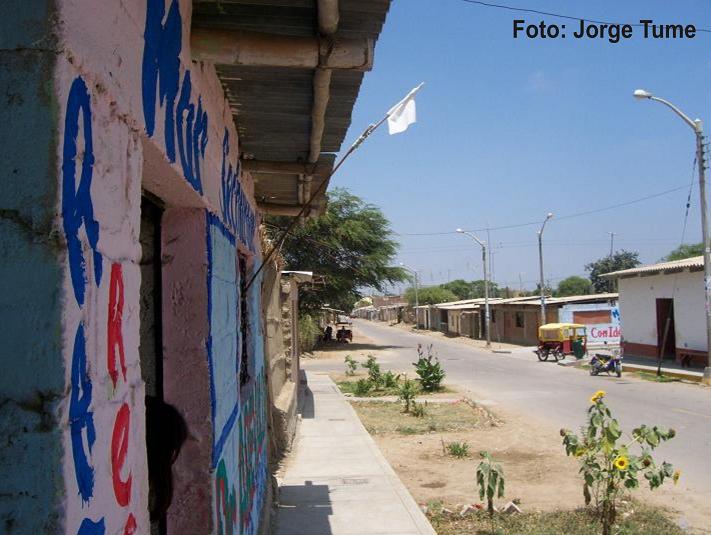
(309, 332)
(428, 369)
(490, 478)
(390, 380)
(419, 410)
(460, 450)
(608, 467)
(362, 387)
(407, 393)
(373, 370)
(351, 365)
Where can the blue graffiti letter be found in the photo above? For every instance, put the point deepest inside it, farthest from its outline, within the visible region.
(76, 201)
(81, 418)
(161, 67)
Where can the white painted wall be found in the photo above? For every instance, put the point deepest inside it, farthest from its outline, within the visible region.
(638, 308)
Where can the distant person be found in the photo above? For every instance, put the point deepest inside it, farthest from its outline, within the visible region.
(328, 334)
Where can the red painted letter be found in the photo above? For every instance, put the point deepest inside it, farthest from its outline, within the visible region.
(114, 335)
(119, 449)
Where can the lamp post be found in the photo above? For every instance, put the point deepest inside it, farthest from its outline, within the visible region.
(698, 128)
(417, 298)
(486, 284)
(540, 267)
(612, 242)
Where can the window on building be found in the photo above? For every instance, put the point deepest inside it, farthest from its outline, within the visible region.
(492, 316)
(520, 319)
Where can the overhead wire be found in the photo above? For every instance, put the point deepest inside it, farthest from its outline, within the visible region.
(556, 15)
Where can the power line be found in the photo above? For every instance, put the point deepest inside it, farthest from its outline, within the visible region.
(556, 15)
(569, 216)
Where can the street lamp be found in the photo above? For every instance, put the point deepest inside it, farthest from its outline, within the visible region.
(486, 283)
(540, 267)
(417, 298)
(698, 129)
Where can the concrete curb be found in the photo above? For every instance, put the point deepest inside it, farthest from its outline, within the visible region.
(676, 374)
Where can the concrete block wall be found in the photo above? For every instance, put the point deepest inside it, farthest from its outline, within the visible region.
(104, 102)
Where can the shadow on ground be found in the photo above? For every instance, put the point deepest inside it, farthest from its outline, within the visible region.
(304, 509)
(336, 346)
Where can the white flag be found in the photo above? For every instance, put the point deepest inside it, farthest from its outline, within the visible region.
(404, 113)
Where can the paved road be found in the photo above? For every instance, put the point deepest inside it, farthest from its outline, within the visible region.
(559, 396)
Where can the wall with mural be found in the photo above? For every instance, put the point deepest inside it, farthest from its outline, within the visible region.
(600, 331)
(128, 110)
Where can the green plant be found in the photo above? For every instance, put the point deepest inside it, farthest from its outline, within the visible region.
(362, 387)
(608, 467)
(390, 380)
(490, 479)
(371, 364)
(351, 365)
(407, 393)
(309, 332)
(460, 450)
(428, 369)
(419, 410)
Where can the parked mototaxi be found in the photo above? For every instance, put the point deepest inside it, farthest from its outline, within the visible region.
(561, 339)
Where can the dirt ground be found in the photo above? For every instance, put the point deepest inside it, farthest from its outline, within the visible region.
(537, 470)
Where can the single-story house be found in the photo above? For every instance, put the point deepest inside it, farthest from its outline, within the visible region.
(662, 308)
(517, 320)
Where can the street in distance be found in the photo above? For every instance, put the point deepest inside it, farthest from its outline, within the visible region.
(614, 33)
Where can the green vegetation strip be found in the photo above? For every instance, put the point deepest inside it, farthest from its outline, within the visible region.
(381, 418)
(638, 520)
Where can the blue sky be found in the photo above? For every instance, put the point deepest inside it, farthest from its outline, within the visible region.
(510, 129)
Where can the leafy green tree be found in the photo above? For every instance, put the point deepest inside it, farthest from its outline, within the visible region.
(685, 250)
(620, 260)
(573, 285)
(459, 287)
(470, 289)
(351, 245)
(430, 295)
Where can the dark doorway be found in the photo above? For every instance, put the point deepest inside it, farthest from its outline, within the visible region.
(666, 345)
(151, 322)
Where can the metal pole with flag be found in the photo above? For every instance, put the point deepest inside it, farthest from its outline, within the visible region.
(399, 118)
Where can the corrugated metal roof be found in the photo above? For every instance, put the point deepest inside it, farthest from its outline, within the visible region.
(536, 301)
(272, 106)
(695, 263)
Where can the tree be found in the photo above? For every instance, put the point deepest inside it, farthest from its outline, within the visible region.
(459, 287)
(350, 245)
(470, 290)
(620, 260)
(430, 295)
(685, 250)
(573, 285)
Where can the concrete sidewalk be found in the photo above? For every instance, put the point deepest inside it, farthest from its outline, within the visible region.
(337, 481)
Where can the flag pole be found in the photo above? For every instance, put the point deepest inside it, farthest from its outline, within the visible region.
(324, 183)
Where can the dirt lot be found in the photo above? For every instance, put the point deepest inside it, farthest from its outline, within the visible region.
(537, 470)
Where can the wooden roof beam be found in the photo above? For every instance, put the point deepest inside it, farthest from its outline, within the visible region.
(229, 47)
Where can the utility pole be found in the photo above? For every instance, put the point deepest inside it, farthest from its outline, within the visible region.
(540, 268)
(486, 284)
(612, 241)
(417, 297)
(698, 128)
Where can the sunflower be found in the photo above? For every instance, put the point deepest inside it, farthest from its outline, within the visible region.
(676, 476)
(597, 396)
(622, 462)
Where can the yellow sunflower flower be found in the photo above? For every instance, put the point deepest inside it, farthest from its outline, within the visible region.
(676, 476)
(597, 396)
(622, 462)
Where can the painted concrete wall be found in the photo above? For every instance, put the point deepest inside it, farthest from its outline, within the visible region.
(598, 333)
(32, 385)
(104, 103)
(638, 308)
